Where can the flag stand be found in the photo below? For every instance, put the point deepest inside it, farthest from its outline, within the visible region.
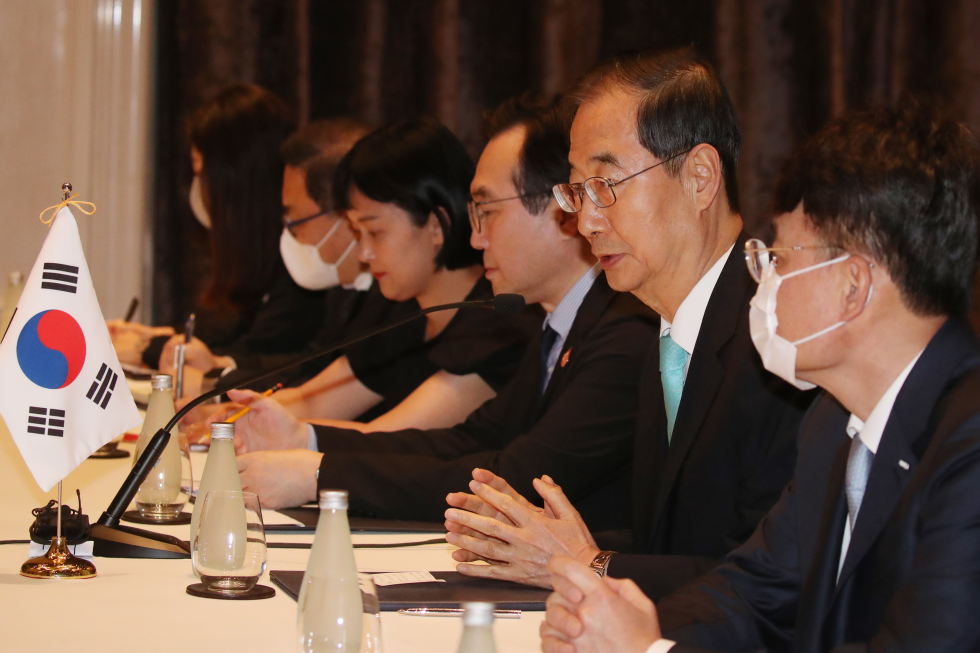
(58, 562)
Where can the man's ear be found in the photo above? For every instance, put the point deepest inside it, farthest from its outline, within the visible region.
(701, 175)
(567, 222)
(857, 287)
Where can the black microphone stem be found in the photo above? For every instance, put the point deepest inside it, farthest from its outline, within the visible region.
(159, 440)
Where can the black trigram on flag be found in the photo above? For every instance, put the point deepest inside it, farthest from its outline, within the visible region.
(102, 386)
(58, 276)
(39, 418)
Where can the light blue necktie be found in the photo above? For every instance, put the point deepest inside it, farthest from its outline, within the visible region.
(856, 479)
(673, 358)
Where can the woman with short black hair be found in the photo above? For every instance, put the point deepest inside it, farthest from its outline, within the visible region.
(404, 188)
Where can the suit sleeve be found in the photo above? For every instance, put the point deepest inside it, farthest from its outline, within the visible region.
(582, 440)
(748, 603)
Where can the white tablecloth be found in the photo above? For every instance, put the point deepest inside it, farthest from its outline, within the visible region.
(141, 605)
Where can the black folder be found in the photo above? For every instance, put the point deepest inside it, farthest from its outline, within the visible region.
(308, 516)
(456, 590)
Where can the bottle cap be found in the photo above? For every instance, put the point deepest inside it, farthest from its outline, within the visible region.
(161, 382)
(222, 431)
(477, 614)
(16, 278)
(333, 499)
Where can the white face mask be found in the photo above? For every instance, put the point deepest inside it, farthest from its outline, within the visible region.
(197, 204)
(778, 354)
(305, 265)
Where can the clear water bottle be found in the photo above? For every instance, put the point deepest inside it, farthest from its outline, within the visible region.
(15, 286)
(220, 470)
(477, 629)
(330, 614)
(158, 496)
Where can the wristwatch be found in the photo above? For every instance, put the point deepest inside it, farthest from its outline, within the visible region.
(600, 563)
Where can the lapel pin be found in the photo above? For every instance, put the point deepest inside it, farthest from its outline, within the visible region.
(564, 359)
(904, 465)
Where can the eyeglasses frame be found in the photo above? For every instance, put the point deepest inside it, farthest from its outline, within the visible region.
(610, 184)
(476, 220)
(290, 224)
(752, 246)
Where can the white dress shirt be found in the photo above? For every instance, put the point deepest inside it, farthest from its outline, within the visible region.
(686, 326)
(870, 433)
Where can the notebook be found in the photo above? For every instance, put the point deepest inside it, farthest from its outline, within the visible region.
(456, 590)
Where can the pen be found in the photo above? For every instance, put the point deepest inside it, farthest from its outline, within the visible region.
(189, 329)
(456, 612)
(267, 393)
(131, 311)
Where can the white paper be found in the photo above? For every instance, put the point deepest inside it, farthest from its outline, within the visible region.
(405, 578)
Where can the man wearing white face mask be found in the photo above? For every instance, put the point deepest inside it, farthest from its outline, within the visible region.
(874, 546)
(319, 251)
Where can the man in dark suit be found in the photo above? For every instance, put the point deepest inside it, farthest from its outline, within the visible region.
(874, 546)
(570, 409)
(654, 144)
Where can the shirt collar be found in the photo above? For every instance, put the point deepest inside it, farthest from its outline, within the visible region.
(362, 282)
(871, 431)
(687, 320)
(563, 316)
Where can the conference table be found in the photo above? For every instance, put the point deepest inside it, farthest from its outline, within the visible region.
(142, 605)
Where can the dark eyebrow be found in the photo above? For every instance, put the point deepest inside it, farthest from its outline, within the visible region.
(366, 218)
(480, 193)
(605, 157)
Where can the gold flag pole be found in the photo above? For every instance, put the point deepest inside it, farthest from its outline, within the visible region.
(58, 562)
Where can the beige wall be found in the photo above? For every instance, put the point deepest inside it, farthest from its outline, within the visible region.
(75, 99)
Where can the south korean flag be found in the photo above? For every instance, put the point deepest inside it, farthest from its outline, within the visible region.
(64, 393)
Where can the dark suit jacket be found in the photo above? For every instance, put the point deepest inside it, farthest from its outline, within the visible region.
(580, 431)
(732, 450)
(345, 313)
(911, 577)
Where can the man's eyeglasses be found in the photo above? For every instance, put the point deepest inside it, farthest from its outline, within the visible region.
(478, 215)
(758, 257)
(292, 224)
(599, 189)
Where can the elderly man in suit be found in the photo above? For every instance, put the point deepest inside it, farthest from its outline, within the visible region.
(570, 409)
(654, 144)
(875, 545)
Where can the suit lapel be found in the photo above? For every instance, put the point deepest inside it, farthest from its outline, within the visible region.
(909, 419)
(706, 372)
(589, 313)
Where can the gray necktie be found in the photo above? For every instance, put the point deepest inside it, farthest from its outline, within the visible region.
(858, 467)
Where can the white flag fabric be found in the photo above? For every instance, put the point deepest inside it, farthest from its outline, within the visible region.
(64, 394)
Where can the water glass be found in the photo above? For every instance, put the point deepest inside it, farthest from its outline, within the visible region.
(229, 551)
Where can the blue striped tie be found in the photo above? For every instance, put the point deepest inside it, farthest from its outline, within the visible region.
(673, 358)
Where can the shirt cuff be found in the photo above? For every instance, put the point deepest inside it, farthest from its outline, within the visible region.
(311, 443)
(661, 646)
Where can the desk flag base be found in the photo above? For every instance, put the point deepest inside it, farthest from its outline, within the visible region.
(58, 563)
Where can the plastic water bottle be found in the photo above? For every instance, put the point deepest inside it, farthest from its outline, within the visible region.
(220, 470)
(157, 496)
(477, 629)
(330, 612)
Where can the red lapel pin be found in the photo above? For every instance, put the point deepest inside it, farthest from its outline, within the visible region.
(564, 359)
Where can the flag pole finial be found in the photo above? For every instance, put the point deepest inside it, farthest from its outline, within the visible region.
(66, 199)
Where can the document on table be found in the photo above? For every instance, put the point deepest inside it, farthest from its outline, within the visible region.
(404, 578)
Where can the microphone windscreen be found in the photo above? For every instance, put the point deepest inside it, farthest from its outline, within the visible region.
(508, 303)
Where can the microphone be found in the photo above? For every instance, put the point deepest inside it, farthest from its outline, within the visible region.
(113, 540)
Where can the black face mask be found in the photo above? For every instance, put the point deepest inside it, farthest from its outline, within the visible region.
(74, 525)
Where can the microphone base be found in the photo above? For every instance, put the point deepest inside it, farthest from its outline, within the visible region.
(129, 542)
